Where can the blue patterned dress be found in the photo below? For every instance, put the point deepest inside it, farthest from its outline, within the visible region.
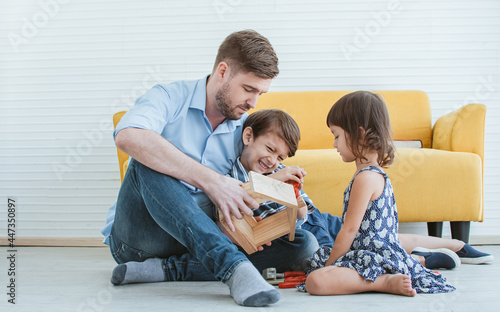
(376, 249)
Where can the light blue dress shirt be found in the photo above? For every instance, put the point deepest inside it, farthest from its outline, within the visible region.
(176, 111)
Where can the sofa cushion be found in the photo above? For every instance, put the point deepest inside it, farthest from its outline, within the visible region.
(409, 112)
(442, 183)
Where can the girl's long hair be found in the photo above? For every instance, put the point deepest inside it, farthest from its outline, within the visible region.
(364, 110)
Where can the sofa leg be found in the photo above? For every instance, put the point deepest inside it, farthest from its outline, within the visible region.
(460, 230)
(435, 229)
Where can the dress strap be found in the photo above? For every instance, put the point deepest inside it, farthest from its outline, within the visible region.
(372, 168)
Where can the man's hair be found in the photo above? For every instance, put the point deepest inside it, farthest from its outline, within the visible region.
(366, 110)
(248, 51)
(277, 121)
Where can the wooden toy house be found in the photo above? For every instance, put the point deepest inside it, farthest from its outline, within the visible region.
(250, 233)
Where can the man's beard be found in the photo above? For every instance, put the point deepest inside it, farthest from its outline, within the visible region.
(223, 104)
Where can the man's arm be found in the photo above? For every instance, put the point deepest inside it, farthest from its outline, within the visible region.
(155, 152)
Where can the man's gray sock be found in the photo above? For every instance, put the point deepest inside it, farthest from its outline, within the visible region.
(249, 288)
(149, 271)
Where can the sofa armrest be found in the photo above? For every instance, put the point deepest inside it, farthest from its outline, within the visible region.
(123, 169)
(461, 130)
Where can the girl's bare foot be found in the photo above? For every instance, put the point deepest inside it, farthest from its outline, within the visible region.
(399, 284)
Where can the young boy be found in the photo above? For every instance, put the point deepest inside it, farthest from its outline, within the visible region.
(271, 135)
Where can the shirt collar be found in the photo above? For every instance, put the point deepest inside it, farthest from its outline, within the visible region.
(239, 172)
(199, 101)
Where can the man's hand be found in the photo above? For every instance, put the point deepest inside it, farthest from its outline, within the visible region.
(228, 195)
(154, 151)
(290, 174)
(260, 248)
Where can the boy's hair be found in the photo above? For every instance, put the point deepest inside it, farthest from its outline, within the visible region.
(248, 51)
(366, 110)
(278, 121)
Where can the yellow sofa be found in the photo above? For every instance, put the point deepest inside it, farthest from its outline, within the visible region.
(443, 181)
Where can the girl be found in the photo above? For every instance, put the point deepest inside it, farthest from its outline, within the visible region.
(367, 254)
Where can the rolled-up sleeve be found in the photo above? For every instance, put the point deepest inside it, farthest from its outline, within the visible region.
(149, 112)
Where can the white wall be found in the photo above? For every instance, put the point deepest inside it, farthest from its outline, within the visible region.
(67, 66)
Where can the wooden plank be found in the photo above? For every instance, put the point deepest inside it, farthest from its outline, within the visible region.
(244, 234)
(272, 189)
(292, 217)
(271, 228)
(251, 220)
(251, 234)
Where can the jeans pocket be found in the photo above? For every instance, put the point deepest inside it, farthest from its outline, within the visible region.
(125, 253)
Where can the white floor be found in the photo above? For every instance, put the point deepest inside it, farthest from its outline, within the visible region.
(77, 279)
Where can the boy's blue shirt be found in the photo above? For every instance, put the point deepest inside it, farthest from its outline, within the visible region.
(269, 208)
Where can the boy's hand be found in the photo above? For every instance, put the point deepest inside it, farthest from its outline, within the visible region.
(290, 174)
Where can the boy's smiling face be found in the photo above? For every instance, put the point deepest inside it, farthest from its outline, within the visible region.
(264, 153)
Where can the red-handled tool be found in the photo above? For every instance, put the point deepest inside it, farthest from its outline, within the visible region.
(299, 279)
(295, 188)
(291, 282)
(288, 285)
(290, 274)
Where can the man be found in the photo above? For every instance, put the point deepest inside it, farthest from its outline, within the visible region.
(183, 138)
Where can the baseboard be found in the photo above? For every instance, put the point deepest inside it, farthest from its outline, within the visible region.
(55, 241)
(485, 240)
(97, 241)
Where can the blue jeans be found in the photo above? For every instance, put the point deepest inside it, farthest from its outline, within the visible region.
(156, 217)
(324, 226)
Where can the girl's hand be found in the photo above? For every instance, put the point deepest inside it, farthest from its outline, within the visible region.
(290, 174)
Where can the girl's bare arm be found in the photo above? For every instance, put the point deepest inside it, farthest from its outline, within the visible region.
(366, 187)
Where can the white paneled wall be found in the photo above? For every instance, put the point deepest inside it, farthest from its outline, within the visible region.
(67, 66)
